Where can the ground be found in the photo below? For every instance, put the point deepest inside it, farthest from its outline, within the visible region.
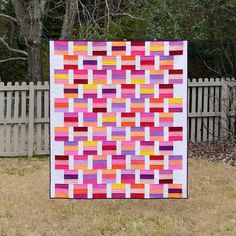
(25, 207)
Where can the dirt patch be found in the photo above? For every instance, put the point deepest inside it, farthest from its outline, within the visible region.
(221, 151)
(25, 207)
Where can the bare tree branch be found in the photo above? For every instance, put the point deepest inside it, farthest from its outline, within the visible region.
(126, 14)
(86, 12)
(78, 13)
(108, 14)
(13, 49)
(217, 72)
(13, 59)
(9, 17)
(225, 53)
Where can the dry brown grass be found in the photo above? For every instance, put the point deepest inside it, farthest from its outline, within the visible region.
(25, 208)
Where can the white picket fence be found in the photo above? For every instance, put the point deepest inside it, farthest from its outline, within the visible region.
(24, 114)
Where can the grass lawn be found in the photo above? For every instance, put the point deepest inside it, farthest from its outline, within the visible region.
(25, 208)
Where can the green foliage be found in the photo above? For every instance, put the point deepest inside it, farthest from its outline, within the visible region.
(208, 26)
(13, 71)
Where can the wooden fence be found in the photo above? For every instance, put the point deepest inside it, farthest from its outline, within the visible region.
(211, 109)
(24, 119)
(24, 114)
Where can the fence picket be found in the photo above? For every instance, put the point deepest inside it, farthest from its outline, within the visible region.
(193, 121)
(211, 109)
(23, 125)
(38, 115)
(46, 115)
(16, 126)
(232, 107)
(31, 120)
(2, 112)
(199, 110)
(217, 109)
(224, 109)
(204, 120)
(8, 117)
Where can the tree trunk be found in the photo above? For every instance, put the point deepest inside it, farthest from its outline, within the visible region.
(30, 15)
(233, 50)
(34, 62)
(69, 19)
(30, 18)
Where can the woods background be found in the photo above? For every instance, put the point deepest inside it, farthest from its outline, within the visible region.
(27, 25)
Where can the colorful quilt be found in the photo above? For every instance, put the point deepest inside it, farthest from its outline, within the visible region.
(118, 119)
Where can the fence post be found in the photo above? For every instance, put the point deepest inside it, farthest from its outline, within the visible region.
(224, 109)
(31, 120)
(2, 115)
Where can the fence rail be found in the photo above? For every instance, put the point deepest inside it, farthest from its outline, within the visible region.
(24, 114)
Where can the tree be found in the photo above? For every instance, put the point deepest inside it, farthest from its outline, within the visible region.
(29, 17)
